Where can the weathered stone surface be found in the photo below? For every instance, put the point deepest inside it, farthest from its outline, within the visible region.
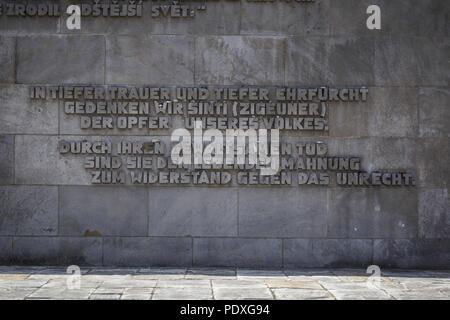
(13, 25)
(372, 213)
(20, 114)
(256, 274)
(6, 250)
(7, 59)
(294, 212)
(294, 284)
(57, 251)
(38, 161)
(326, 253)
(349, 61)
(242, 293)
(103, 211)
(28, 210)
(63, 293)
(406, 61)
(220, 17)
(284, 18)
(348, 17)
(402, 126)
(349, 119)
(434, 112)
(330, 61)
(406, 18)
(233, 60)
(71, 124)
(150, 60)
(56, 59)
(392, 112)
(185, 211)
(109, 25)
(306, 61)
(139, 251)
(429, 18)
(301, 294)
(189, 293)
(432, 164)
(412, 253)
(434, 213)
(394, 153)
(6, 159)
(225, 252)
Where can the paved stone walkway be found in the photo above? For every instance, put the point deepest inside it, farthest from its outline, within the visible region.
(169, 283)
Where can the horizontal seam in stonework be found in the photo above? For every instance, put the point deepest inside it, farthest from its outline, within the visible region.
(218, 238)
(218, 186)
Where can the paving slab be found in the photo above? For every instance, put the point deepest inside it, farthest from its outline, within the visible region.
(254, 274)
(301, 294)
(134, 283)
(185, 293)
(360, 295)
(210, 273)
(239, 283)
(296, 284)
(61, 294)
(184, 284)
(242, 294)
(105, 297)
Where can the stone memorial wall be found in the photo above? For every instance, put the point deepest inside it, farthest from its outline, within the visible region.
(231, 133)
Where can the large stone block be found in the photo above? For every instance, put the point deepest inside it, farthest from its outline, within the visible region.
(6, 250)
(412, 253)
(325, 253)
(415, 18)
(432, 162)
(103, 211)
(22, 115)
(394, 153)
(238, 252)
(409, 61)
(193, 211)
(372, 213)
(392, 112)
(152, 60)
(434, 112)
(349, 119)
(233, 60)
(137, 251)
(275, 212)
(434, 213)
(56, 59)
(284, 18)
(306, 61)
(28, 210)
(220, 17)
(388, 112)
(57, 251)
(335, 61)
(6, 159)
(38, 161)
(349, 61)
(7, 59)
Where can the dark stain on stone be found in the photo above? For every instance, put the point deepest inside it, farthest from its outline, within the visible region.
(93, 233)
